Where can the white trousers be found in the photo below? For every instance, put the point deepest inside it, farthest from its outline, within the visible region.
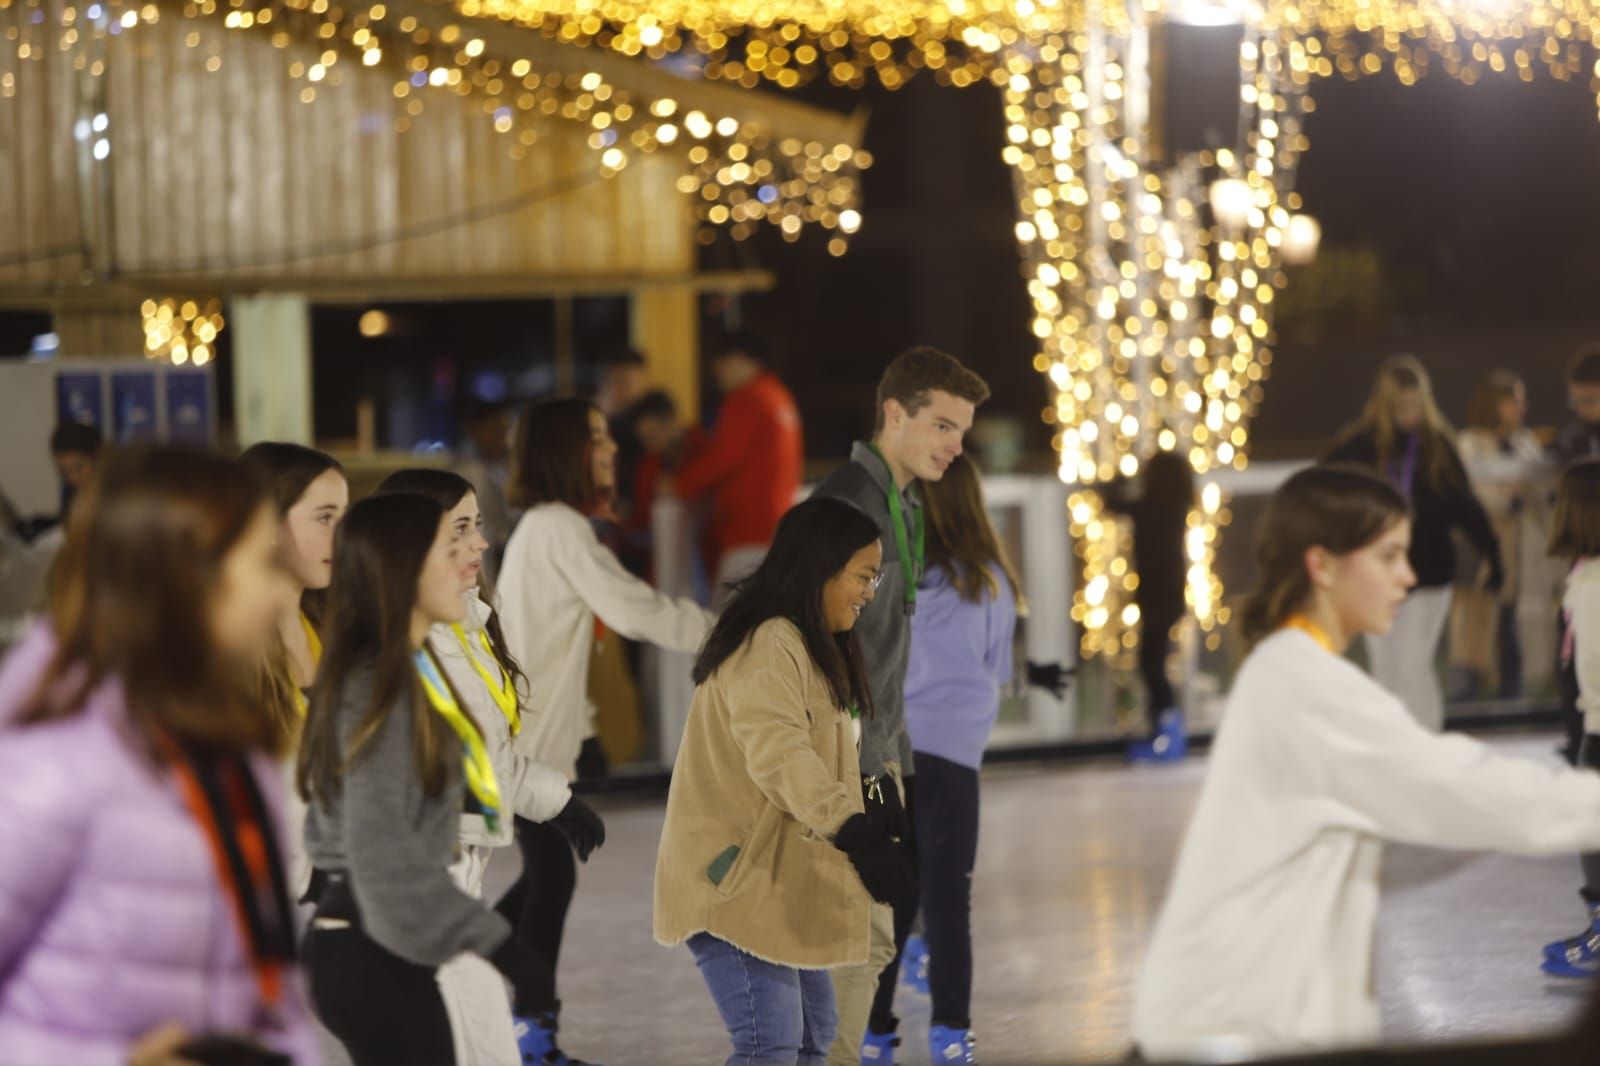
(475, 995)
(1403, 660)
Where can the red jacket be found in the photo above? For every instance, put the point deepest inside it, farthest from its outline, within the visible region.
(752, 467)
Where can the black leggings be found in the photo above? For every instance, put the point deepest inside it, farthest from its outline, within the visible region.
(1155, 642)
(384, 1010)
(536, 906)
(947, 831)
(882, 1019)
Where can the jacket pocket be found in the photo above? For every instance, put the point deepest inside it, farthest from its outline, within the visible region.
(735, 863)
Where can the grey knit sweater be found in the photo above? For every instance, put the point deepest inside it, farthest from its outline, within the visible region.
(395, 844)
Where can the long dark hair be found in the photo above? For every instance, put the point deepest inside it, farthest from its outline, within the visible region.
(287, 470)
(130, 595)
(814, 542)
(448, 489)
(378, 555)
(961, 540)
(1339, 507)
(552, 457)
(1575, 526)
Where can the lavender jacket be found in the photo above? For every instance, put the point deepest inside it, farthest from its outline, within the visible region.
(112, 920)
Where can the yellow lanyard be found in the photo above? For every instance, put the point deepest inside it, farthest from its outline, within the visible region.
(314, 643)
(1316, 632)
(475, 758)
(501, 688)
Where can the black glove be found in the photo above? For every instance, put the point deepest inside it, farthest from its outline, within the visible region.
(883, 805)
(1052, 677)
(581, 826)
(533, 979)
(885, 867)
(592, 762)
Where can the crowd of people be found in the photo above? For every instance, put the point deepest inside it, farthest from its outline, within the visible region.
(261, 743)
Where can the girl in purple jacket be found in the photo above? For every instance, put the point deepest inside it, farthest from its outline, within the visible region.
(961, 639)
(143, 908)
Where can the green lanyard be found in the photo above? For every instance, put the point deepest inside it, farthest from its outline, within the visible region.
(911, 564)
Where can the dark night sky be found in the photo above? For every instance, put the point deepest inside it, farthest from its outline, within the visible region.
(1480, 203)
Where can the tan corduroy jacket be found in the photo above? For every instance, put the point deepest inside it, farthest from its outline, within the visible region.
(768, 765)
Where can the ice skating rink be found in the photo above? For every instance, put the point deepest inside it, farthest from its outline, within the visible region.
(1071, 867)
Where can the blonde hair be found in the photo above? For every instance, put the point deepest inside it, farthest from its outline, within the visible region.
(1400, 374)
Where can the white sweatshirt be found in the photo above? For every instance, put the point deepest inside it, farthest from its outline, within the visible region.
(527, 787)
(1264, 945)
(1581, 602)
(555, 579)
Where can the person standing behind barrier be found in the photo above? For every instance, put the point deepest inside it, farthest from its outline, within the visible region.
(557, 583)
(961, 659)
(752, 467)
(143, 897)
(483, 459)
(1580, 437)
(767, 858)
(1484, 636)
(1265, 941)
(1160, 512)
(1575, 539)
(926, 402)
(1406, 440)
(472, 654)
(389, 760)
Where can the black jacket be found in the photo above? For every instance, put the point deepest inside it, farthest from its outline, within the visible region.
(1577, 440)
(1159, 529)
(1436, 509)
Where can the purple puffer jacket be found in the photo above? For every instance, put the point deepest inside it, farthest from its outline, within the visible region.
(112, 919)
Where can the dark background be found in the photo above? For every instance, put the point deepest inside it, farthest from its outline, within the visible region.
(1461, 223)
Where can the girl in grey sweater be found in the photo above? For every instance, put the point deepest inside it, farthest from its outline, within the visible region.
(388, 762)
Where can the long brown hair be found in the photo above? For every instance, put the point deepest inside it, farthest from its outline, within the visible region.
(1575, 526)
(1404, 373)
(962, 540)
(1338, 507)
(287, 470)
(448, 489)
(130, 596)
(378, 555)
(1496, 387)
(552, 456)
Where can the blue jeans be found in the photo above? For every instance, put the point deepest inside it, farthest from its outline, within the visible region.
(776, 1015)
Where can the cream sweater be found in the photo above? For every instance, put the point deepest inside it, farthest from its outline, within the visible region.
(556, 579)
(1264, 945)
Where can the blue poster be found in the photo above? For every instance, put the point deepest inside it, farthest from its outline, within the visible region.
(79, 398)
(189, 406)
(133, 406)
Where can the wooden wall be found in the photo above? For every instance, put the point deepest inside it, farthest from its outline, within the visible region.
(226, 181)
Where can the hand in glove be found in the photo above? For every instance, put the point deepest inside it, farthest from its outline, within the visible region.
(581, 826)
(883, 805)
(1052, 677)
(593, 765)
(533, 979)
(885, 867)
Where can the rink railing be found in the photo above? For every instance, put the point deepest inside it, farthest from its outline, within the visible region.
(1030, 512)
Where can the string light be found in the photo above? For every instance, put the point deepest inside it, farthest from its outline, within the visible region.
(181, 330)
(1153, 315)
(738, 173)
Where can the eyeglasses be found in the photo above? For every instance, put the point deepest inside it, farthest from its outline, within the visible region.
(871, 584)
